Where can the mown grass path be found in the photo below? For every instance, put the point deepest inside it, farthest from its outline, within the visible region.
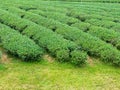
(45, 75)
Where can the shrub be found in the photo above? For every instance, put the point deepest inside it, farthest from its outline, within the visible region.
(107, 35)
(78, 58)
(19, 45)
(93, 45)
(63, 55)
(104, 23)
(55, 44)
(55, 15)
(82, 26)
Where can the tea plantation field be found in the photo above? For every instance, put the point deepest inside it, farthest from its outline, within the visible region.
(59, 45)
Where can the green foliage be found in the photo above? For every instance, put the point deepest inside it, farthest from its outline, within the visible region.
(106, 58)
(63, 55)
(86, 26)
(78, 58)
(82, 26)
(92, 45)
(55, 44)
(19, 45)
(107, 35)
(104, 23)
(55, 15)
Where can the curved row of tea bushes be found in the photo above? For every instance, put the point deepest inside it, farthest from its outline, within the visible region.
(73, 13)
(77, 13)
(66, 19)
(105, 34)
(63, 6)
(57, 16)
(92, 45)
(105, 23)
(62, 49)
(67, 7)
(43, 7)
(89, 13)
(106, 18)
(86, 12)
(109, 36)
(19, 45)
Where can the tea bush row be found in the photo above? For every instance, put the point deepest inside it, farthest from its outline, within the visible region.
(107, 35)
(19, 45)
(92, 45)
(56, 45)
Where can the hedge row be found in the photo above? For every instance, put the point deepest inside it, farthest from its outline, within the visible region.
(82, 17)
(82, 14)
(87, 14)
(99, 8)
(92, 45)
(107, 35)
(105, 23)
(59, 15)
(42, 7)
(56, 16)
(62, 49)
(19, 45)
(76, 12)
(103, 17)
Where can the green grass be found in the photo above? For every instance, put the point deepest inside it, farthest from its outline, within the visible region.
(2, 67)
(53, 75)
(44, 75)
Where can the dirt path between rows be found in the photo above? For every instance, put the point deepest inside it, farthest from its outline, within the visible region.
(4, 59)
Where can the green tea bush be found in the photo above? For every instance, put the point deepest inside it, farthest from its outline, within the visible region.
(93, 45)
(78, 14)
(78, 58)
(107, 35)
(55, 44)
(104, 23)
(87, 15)
(63, 55)
(19, 45)
(43, 8)
(82, 26)
(58, 16)
(103, 33)
(74, 22)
